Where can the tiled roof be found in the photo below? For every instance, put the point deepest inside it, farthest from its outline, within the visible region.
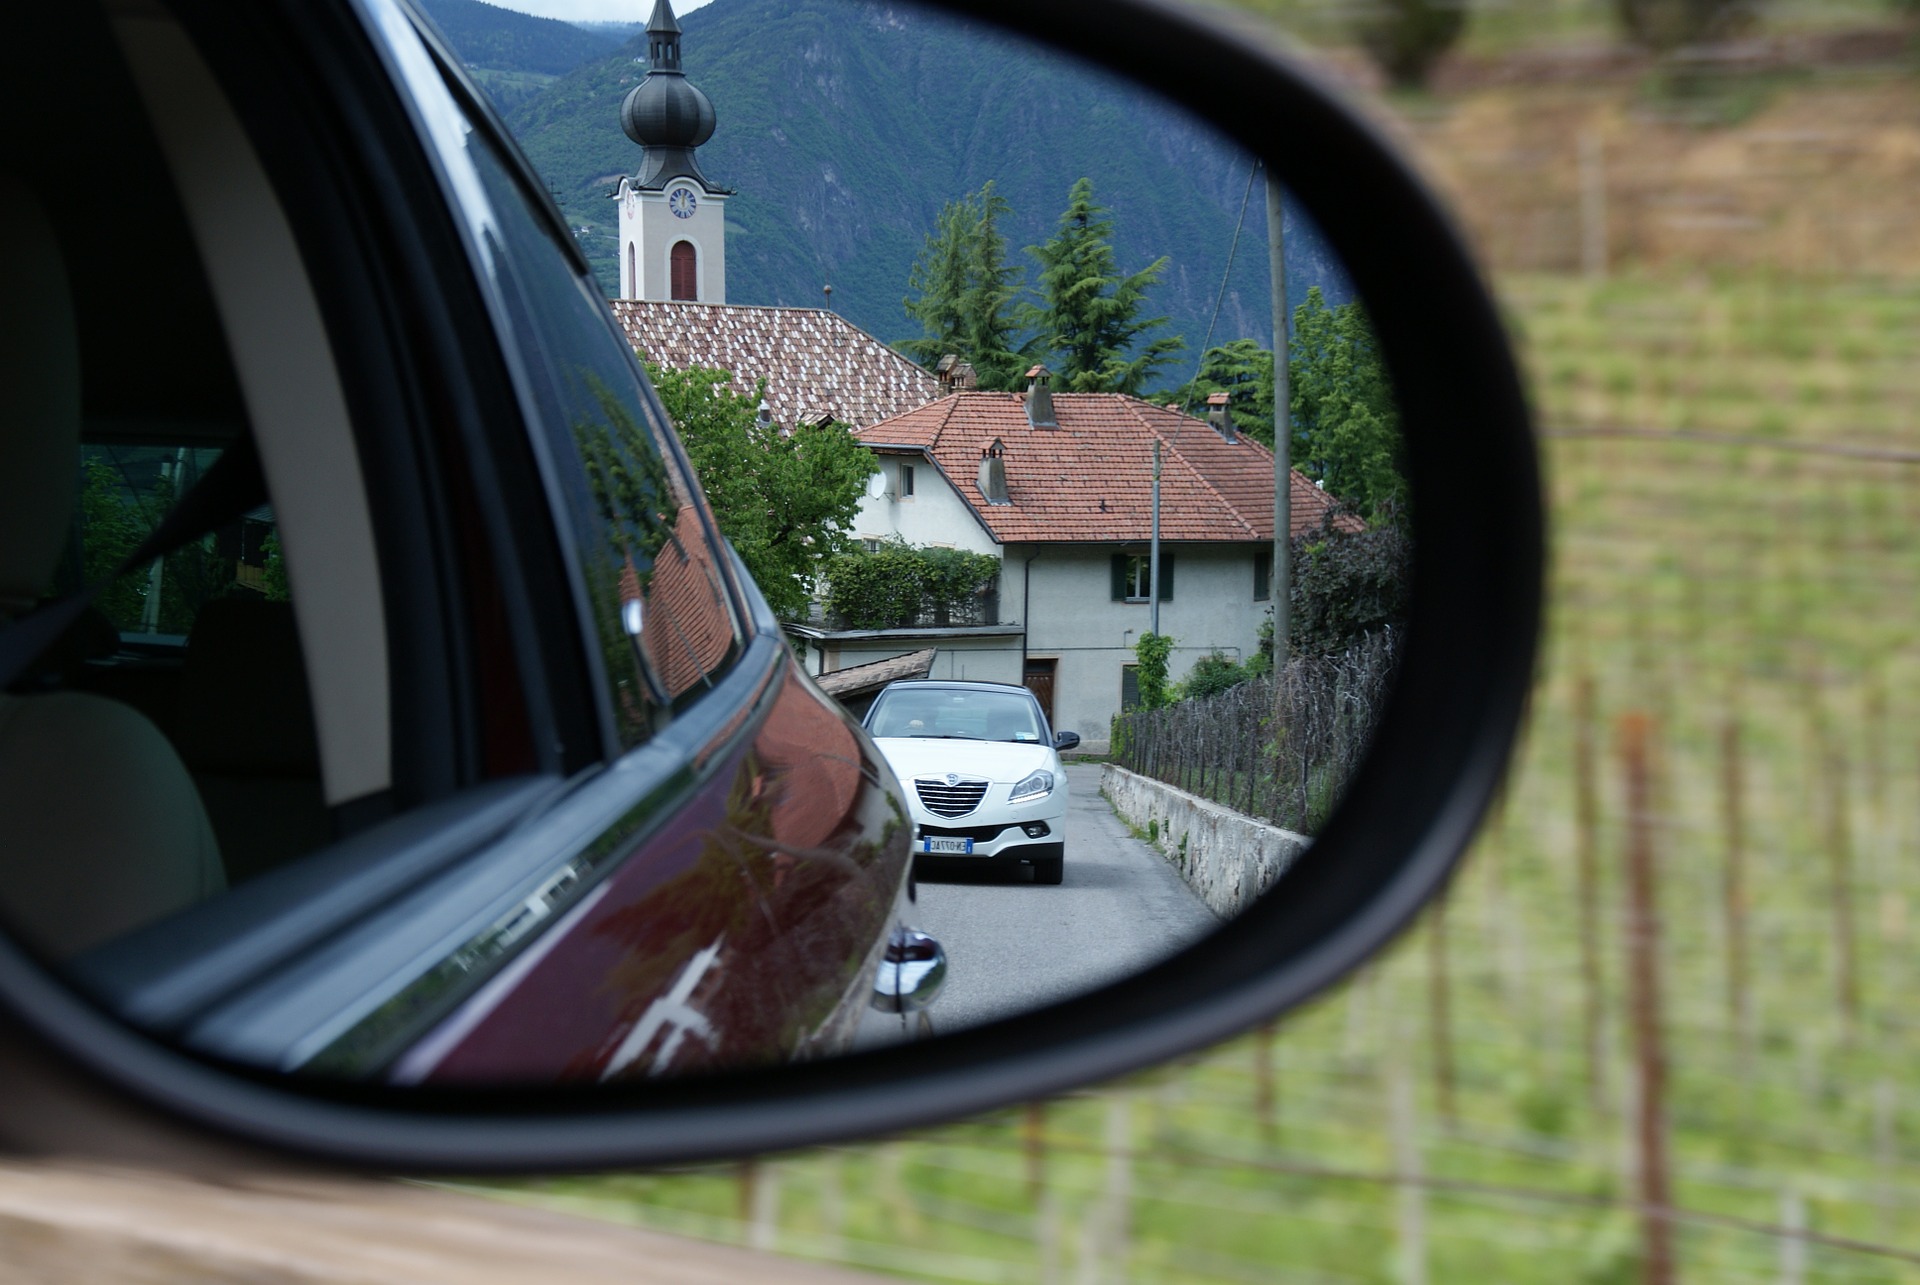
(813, 360)
(1091, 479)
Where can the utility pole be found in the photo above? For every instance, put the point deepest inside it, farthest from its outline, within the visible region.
(1153, 557)
(1282, 444)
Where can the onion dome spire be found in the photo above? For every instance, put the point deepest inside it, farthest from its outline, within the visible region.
(665, 113)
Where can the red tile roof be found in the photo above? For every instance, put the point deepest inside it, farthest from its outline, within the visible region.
(1091, 479)
(812, 360)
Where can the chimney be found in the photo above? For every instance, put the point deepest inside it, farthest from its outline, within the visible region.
(965, 377)
(943, 371)
(1039, 399)
(993, 473)
(1220, 417)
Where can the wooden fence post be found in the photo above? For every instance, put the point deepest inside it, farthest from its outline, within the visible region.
(1586, 813)
(1643, 985)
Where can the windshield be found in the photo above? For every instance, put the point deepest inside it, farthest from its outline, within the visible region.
(968, 715)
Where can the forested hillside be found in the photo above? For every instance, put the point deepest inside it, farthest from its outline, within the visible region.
(495, 39)
(845, 129)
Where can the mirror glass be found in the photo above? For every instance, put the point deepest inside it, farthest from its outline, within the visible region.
(970, 348)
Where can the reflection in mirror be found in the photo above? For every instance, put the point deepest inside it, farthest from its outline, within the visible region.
(980, 391)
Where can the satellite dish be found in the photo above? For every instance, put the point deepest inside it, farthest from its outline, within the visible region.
(877, 485)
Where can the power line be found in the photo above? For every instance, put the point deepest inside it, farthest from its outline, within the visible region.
(1887, 454)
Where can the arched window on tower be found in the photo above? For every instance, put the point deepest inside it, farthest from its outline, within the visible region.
(684, 272)
(632, 281)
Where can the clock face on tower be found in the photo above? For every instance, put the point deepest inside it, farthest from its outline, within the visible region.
(681, 202)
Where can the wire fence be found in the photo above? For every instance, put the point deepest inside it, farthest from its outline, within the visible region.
(1278, 748)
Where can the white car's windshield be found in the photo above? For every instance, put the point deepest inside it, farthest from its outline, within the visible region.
(967, 715)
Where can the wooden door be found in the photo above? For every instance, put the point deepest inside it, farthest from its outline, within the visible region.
(1039, 681)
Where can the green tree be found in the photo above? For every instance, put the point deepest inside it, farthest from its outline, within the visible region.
(1346, 423)
(110, 530)
(785, 500)
(1243, 370)
(1406, 37)
(966, 291)
(1089, 315)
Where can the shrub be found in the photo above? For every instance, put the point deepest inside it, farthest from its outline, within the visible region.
(1344, 585)
(1213, 674)
(895, 586)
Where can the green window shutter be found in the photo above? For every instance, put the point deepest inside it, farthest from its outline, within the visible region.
(1166, 575)
(1119, 577)
(1262, 575)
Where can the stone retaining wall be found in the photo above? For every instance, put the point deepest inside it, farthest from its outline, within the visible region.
(1227, 858)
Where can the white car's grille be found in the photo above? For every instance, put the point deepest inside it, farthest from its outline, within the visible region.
(946, 800)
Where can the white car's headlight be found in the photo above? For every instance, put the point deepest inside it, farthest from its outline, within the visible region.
(1040, 782)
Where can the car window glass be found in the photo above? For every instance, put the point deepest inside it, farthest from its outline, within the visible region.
(985, 716)
(659, 614)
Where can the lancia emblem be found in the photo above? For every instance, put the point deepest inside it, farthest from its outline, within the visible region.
(953, 778)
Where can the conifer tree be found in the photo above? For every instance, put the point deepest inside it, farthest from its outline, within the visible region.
(1243, 370)
(966, 290)
(988, 332)
(1346, 421)
(1088, 317)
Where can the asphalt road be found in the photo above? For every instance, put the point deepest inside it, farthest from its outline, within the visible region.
(1013, 945)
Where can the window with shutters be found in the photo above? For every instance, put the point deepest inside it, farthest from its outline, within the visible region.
(1133, 577)
(685, 272)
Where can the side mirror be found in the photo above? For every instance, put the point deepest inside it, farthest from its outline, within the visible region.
(293, 1014)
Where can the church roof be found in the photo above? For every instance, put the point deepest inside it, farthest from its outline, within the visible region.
(1091, 478)
(814, 361)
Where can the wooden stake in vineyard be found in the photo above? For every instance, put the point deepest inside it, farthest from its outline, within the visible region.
(1033, 1141)
(1643, 999)
(1734, 888)
(1263, 1094)
(1439, 1008)
(1840, 879)
(1586, 813)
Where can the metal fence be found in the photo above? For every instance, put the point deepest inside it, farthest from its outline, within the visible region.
(1225, 747)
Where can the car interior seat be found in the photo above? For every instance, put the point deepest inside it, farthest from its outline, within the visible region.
(246, 733)
(103, 828)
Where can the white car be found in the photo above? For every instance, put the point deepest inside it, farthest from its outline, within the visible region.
(981, 770)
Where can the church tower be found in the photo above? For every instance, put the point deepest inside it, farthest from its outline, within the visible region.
(673, 229)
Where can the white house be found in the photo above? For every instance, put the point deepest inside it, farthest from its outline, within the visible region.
(1058, 486)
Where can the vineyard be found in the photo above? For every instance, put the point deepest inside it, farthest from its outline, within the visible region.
(1721, 767)
(1463, 1110)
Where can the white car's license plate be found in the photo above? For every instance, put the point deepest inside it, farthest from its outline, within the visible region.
(946, 844)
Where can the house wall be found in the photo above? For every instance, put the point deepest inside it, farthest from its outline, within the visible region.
(934, 514)
(1071, 616)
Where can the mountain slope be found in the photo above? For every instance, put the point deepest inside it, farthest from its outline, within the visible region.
(845, 128)
(495, 39)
